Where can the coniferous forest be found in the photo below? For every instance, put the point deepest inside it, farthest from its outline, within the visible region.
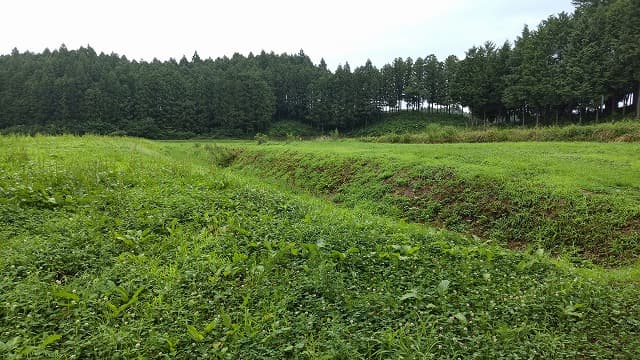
(356, 214)
(572, 68)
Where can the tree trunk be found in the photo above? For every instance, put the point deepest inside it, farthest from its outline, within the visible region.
(637, 101)
(556, 117)
(580, 112)
(614, 105)
(523, 116)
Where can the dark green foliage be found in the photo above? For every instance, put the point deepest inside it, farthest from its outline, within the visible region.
(421, 131)
(79, 92)
(146, 127)
(261, 138)
(411, 122)
(286, 129)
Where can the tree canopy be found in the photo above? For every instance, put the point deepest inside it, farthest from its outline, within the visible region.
(572, 67)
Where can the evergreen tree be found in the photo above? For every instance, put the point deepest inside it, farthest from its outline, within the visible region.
(583, 63)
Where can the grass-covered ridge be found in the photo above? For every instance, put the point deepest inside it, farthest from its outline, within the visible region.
(429, 129)
(579, 199)
(112, 249)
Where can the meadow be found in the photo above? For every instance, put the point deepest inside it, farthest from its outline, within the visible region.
(127, 248)
(577, 199)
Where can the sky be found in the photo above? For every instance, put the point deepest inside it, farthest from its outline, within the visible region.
(337, 30)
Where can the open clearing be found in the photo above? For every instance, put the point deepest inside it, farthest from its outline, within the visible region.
(611, 168)
(119, 248)
(579, 199)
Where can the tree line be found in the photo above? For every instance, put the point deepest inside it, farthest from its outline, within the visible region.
(571, 68)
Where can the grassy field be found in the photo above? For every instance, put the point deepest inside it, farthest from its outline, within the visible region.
(577, 199)
(610, 168)
(125, 248)
(424, 128)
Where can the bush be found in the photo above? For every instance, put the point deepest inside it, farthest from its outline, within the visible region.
(221, 156)
(288, 129)
(261, 138)
(146, 128)
(624, 131)
(118, 133)
(411, 122)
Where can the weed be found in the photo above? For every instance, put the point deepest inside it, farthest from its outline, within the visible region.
(261, 138)
(145, 258)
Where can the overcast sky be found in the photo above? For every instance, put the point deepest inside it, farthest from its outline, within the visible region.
(338, 30)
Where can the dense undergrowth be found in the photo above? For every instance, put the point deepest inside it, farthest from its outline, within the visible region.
(111, 249)
(289, 129)
(424, 129)
(411, 122)
(519, 202)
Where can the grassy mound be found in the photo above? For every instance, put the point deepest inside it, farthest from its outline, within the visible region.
(575, 199)
(435, 133)
(112, 249)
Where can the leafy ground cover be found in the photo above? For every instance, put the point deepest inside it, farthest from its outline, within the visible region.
(113, 249)
(409, 127)
(576, 199)
(425, 130)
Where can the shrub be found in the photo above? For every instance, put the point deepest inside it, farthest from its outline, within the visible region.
(261, 138)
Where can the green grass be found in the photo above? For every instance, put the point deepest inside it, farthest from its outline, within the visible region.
(409, 122)
(427, 131)
(124, 248)
(409, 127)
(564, 166)
(579, 199)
